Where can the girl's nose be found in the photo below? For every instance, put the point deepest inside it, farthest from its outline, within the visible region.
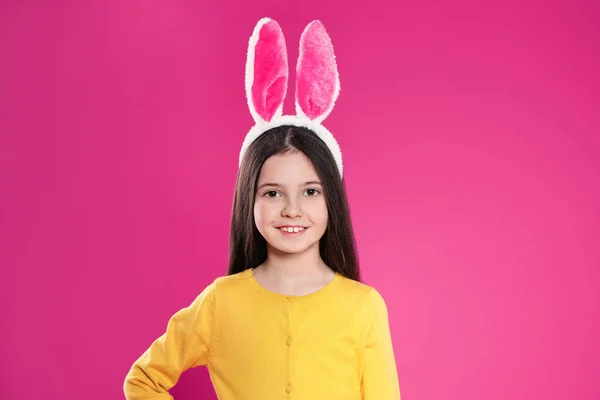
(292, 209)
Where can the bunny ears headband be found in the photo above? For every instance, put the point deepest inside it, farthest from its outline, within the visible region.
(317, 82)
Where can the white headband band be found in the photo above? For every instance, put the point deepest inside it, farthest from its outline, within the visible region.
(317, 82)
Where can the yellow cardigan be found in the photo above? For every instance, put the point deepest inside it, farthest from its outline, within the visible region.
(333, 344)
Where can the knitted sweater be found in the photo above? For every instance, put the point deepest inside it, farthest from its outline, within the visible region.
(333, 344)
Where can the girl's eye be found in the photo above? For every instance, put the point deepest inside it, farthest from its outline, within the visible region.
(312, 192)
(271, 193)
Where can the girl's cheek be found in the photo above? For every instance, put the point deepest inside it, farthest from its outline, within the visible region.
(264, 213)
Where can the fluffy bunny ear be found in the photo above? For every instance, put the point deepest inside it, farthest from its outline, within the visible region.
(266, 71)
(317, 78)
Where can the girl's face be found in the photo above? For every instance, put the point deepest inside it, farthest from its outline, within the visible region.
(289, 208)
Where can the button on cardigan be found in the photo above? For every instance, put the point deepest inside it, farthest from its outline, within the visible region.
(333, 344)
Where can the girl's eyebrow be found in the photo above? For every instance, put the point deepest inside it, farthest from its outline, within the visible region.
(278, 185)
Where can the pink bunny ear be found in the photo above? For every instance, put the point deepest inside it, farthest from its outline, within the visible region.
(317, 79)
(266, 71)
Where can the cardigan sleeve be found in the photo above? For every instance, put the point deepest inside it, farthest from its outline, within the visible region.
(380, 377)
(186, 343)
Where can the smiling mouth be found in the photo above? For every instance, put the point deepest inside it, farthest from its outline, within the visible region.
(292, 229)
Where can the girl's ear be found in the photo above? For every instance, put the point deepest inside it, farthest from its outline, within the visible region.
(266, 71)
(317, 78)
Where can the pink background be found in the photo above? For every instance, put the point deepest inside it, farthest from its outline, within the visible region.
(471, 139)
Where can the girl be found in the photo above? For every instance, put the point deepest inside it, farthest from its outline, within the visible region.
(291, 319)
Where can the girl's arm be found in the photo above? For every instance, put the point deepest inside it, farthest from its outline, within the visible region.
(185, 344)
(380, 377)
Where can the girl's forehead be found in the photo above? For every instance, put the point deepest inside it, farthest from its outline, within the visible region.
(291, 168)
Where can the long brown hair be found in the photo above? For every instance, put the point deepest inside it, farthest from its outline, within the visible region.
(247, 248)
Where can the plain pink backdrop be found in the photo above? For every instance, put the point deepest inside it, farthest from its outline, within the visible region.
(470, 133)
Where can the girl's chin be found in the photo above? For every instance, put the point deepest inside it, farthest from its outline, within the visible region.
(289, 246)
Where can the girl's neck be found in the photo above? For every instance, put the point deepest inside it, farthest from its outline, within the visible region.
(294, 273)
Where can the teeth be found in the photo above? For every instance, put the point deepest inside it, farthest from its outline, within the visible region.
(295, 229)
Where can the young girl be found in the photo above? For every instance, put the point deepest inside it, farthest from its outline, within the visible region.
(291, 319)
